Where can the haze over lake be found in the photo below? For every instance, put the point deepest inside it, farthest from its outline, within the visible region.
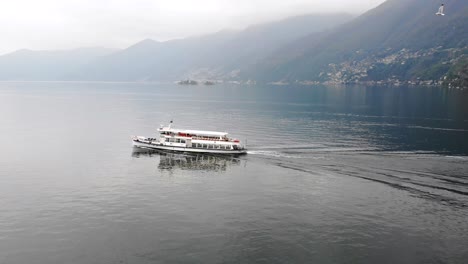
(333, 175)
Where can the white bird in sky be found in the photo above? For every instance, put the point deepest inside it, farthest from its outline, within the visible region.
(441, 10)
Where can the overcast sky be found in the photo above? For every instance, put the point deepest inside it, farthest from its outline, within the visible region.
(67, 24)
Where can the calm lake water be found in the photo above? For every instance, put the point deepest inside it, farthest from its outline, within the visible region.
(333, 175)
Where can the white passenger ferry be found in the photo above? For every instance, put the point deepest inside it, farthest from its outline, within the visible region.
(191, 141)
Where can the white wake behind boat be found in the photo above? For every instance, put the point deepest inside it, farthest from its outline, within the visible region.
(191, 141)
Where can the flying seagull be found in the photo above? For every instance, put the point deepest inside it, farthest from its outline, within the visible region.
(441, 10)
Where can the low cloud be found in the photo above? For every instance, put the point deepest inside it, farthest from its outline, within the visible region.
(66, 24)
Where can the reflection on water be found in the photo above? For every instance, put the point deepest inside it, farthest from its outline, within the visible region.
(169, 161)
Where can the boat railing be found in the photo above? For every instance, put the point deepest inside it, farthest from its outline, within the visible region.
(210, 138)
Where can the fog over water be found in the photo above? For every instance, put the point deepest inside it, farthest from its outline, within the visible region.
(55, 24)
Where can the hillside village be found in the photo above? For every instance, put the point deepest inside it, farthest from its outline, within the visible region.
(404, 67)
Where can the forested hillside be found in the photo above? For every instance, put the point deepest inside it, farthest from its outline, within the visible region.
(400, 40)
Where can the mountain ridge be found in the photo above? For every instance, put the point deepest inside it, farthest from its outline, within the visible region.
(217, 55)
(399, 41)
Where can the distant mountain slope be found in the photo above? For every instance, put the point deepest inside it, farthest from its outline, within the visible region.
(152, 60)
(257, 42)
(211, 56)
(389, 28)
(28, 65)
(217, 55)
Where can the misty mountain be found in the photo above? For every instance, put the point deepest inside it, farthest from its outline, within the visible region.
(152, 60)
(405, 29)
(28, 65)
(210, 56)
(398, 40)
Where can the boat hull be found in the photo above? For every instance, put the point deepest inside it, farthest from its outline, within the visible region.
(159, 146)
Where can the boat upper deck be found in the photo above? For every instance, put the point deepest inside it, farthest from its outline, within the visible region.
(194, 132)
(169, 131)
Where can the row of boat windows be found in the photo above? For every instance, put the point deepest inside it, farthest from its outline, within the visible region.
(175, 140)
(199, 145)
(210, 146)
